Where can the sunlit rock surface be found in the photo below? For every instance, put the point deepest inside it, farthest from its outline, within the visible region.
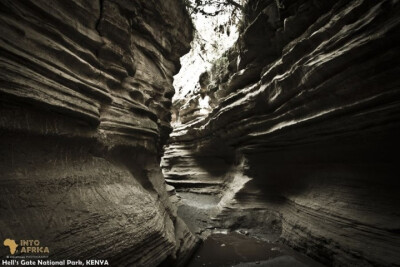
(303, 135)
(85, 98)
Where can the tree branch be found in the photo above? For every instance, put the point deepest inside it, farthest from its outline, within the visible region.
(234, 3)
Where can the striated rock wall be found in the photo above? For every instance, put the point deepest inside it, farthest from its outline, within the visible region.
(85, 98)
(307, 112)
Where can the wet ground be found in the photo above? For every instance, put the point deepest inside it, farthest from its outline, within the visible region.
(242, 247)
(234, 249)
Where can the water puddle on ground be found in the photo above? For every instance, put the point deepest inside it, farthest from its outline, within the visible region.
(234, 249)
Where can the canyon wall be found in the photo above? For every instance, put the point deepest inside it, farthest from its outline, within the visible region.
(85, 98)
(303, 135)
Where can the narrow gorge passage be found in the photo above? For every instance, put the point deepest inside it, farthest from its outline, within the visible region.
(290, 139)
(199, 133)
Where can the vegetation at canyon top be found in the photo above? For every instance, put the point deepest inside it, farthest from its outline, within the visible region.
(203, 6)
(216, 30)
(229, 14)
(217, 24)
(235, 9)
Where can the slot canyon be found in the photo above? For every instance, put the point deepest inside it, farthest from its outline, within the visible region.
(284, 151)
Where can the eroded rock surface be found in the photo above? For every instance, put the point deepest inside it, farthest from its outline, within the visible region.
(85, 97)
(303, 135)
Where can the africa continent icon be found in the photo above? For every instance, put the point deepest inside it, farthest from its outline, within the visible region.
(11, 244)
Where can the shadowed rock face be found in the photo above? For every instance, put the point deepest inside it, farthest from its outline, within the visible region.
(305, 119)
(85, 96)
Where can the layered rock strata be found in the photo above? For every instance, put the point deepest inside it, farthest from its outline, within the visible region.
(85, 98)
(306, 121)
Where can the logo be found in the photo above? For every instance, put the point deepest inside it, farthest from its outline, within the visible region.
(25, 247)
(11, 244)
